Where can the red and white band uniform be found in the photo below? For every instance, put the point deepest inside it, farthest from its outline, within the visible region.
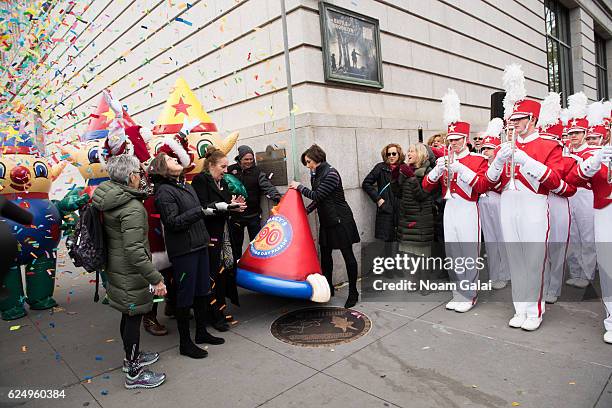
(490, 221)
(593, 172)
(559, 213)
(461, 217)
(581, 257)
(525, 215)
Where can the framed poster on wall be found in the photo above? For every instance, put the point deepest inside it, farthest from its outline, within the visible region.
(351, 47)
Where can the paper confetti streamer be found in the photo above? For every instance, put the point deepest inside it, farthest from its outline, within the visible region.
(13, 328)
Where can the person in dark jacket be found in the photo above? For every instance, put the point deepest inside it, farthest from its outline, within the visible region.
(256, 184)
(187, 242)
(212, 189)
(337, 228)
(377, 185)
(132, 278)
(416, 219)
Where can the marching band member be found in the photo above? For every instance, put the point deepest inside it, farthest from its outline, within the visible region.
(488, 204)
(596, 171)
(528, 170)
(581, 257)
(462, 183)
(551, 128)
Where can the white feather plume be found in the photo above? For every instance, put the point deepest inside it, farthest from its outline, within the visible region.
(596, 112)
(451, 106)
(550, 110)
(146, 134)
(565, 116)
(577, 105)
(496, 125)
(608, 108)
(514, 85)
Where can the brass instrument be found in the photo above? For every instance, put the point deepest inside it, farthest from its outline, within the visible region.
(610, 162)
(450, 158)
(510, 130)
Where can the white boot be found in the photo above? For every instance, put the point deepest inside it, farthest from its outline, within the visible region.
(451, 305)
(581, 283)
(550, 299)
(571, 281)
(532, 323)
(517, 321)
(608, 336)
(463, 307)
(499, 284)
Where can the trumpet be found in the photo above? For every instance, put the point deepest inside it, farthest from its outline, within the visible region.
(511, 131)
(610, 162)
(450, 158)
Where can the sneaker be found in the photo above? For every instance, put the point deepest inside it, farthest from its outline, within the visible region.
(581, 283)
(462, 307)
(499, 284)
(451, 305)
(532, 323)
(550, 299)
(517, 321)
(144, 379)
(608, 336)
(145, 358)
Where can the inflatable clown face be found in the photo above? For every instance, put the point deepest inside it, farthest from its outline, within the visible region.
(21, 172)
(86, 157)
(197, 144)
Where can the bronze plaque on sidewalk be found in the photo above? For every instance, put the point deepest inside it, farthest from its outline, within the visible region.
(321, 326)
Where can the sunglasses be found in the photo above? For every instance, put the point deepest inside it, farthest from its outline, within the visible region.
(391, 154)
(477, 138)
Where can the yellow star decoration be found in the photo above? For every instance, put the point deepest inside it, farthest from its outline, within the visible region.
(110, 115)
(342, 323)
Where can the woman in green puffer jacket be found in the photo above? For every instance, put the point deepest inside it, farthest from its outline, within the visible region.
(128, 267)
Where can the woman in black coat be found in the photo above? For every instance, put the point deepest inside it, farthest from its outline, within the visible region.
(416, 220)
(187, 240)
(377, 184)
(212, 190)
(337, 228)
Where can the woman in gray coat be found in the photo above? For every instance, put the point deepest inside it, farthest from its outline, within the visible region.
(132, 279)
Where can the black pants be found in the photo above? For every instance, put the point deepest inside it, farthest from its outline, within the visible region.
(130, 334)
(327, 266)
(253, 225)
(191, 276)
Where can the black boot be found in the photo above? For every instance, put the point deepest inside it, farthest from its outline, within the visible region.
(215, 316)
(352, 299)
(187, 347)
(202, 335)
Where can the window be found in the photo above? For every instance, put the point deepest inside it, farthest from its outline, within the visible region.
(601, 67)
(558, 48)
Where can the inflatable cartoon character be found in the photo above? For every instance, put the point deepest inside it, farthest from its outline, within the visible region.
(26, 179)
(183, 111)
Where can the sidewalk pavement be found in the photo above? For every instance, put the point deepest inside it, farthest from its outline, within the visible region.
(417, 354)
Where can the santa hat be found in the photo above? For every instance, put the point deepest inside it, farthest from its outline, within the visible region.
(456, 129)
(549, 121)
(577, 108)
(177, 146)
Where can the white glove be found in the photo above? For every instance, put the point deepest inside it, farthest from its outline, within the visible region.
(502, 156)
(188, 125)
(114, 104)
(520, 157)
(221, 206)
(463, 172)
(437, 171)
(591, 166)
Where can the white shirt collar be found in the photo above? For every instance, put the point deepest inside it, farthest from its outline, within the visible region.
(465, 152)
(529, 138)
(581, 148)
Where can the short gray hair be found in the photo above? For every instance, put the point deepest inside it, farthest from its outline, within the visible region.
(120, 167)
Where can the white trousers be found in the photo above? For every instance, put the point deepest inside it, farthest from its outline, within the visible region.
(603, 243)
(524, 221)
(557, 244)
(462, 240)
(581, 256)
(490, 221)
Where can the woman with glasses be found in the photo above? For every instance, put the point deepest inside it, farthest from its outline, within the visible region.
(377, 185)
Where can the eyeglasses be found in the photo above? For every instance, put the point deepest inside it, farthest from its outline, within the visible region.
(391, 154)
